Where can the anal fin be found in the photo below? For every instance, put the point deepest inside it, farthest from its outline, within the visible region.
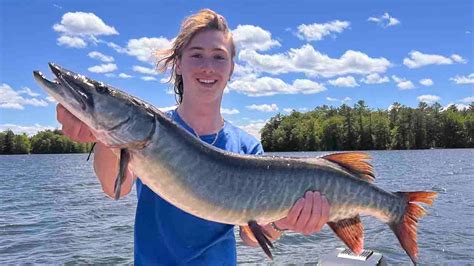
(351, 232)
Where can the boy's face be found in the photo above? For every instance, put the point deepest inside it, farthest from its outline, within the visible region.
(206, 65)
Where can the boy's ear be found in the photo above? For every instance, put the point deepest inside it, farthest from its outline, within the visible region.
(178, 66)
(232, 69)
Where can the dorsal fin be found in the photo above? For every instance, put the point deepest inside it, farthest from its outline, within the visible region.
(355, 163)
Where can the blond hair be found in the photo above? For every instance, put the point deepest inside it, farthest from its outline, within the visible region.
(205, 19)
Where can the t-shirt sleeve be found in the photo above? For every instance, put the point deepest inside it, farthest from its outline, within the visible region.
(257, 149)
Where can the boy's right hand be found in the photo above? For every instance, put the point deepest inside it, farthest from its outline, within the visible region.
(72, 127)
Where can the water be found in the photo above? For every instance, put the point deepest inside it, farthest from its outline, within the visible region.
(52, 210)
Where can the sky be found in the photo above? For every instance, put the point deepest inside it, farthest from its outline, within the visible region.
(292, 55)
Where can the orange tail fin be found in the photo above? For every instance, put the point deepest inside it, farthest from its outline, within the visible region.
(405, 229)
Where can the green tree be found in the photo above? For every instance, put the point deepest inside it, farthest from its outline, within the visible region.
(266, 133)
(452, 135)
(350, 136)
(332, 133)
(364, 132)
(2, 141)
(400, 127)
(8, 142)
(381, 130)
(21, 144)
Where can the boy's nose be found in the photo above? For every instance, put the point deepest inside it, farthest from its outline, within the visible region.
(207, 66)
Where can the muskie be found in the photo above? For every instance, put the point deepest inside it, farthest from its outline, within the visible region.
(230, 188)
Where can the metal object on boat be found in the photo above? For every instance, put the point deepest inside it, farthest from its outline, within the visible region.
(344, 256)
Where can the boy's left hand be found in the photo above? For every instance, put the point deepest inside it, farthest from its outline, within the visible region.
(308, 215)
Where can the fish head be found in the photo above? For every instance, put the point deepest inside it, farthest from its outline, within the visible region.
(115, 118)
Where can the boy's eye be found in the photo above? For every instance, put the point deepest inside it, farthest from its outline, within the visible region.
(220, 57)
(196, 55)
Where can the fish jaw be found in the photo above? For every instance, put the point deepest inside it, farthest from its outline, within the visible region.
(115, 118)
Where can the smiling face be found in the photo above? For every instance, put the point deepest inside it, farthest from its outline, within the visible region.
(206, 65)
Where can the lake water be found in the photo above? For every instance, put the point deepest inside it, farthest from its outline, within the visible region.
(52, 210)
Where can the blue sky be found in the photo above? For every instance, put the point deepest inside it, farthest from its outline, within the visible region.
(291, 54)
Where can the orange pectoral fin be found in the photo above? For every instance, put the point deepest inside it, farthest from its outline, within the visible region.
(351, 232)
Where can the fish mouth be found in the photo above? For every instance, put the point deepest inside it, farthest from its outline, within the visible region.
(67, 84)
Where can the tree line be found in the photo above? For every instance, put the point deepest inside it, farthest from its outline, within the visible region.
(322, 129)
(48, 141)
(361, 128)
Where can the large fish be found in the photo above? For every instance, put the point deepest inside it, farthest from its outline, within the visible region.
(230, 188)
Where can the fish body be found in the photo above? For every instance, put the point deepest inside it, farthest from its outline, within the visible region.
(234, 189)
(229, 188)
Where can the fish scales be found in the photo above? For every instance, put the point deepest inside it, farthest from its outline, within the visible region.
(226, 174)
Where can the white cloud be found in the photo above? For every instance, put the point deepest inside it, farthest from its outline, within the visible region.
(385, 20)
(418, 59)
(253, 128)
(72, 42)
(167, 108)
(266, 86)
(263, 107)
(348, 81)
(100, 56)
(312, 63)
(346, 99)
(240, 70)
(26, 90)
(374, 78)
(406, 85)
(104, 68)
(29, 130)
(83, 24)
(426, 82)
(51, 99)
(402, 83)
(124, 76)
(463, 79)
(144, 48)
(307, 86)
(467, 99)
(145, 70)
(227, 111)
(11, 99)
(458, 59)
(253, 38)
(148, 78)
(429, 99)
(116, 47)
(459, 106)
(316, 32)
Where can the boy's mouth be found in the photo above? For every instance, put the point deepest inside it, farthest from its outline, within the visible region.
(207, 81)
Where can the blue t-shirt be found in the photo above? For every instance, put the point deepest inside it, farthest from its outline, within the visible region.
(166, 235)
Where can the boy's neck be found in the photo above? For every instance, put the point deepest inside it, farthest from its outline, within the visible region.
(203, 119)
